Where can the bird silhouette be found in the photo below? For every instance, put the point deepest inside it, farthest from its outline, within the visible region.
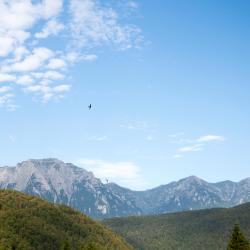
(90, 106)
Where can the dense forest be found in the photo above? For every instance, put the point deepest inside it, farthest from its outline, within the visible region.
(208, 229)
(29, 223)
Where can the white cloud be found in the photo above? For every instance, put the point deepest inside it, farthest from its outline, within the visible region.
(210, 138)
(93, 24)
(47, 92)
(192, 148)
(177, 156)
(61, 88)
(139, 125)
(150, 138)
(6, 101)
(10, 40)
(32, 62)
(5, 98)
(56, 63)
(53, 27)
(99, 138)
(25, 80)
(7, 78)
(18, 16)
(27, 29)
(52, 75)
(20, 53)
(132, 4)
(50, 9)
(5, 89)
(88, 57)
(74, 57)
(179, 138)
(6, 45)
(123, 173)
(177, 135)
(38, 88)
(12, 138)
(195, 145)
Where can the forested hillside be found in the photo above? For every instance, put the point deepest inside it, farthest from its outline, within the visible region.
(29, 223)
(207, 229)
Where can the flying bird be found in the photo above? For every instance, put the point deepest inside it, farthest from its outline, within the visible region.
(90, 106)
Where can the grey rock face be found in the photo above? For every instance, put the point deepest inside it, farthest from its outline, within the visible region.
(65, 183)
(190, 193)
(68, 184)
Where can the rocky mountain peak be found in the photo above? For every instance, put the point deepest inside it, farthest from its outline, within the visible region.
(193, 179)
(66, 183)
(190, 182)
(245, 181)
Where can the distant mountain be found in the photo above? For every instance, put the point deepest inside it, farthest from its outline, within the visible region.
(68, 184)
(30, 223)
(190, 193)
(206, 229)
(65, 183)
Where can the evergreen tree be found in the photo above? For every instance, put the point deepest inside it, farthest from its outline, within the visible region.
(238, 240)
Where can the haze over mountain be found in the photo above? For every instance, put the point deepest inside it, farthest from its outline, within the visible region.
(68, 184)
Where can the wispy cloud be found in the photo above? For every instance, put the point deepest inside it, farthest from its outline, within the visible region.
(176, 135)
(179, 138)
(123, 173)
(138, 125)
(6, 100)
(150, 138)
(5, 89)
(27, 28)
(192, 148)
(211, 138)
(194, 145)
(177, 156)
(99, 138)
(93, 24)
(12, 138)
(51, 28)
(132, 4)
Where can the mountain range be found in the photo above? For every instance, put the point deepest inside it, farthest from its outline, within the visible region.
(65, 183)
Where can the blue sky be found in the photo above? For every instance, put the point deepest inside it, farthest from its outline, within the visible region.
(168, 81)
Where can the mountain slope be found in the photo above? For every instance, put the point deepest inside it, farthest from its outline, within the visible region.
(207, 229)
(65, 183)
(191, 193)
(29, 223)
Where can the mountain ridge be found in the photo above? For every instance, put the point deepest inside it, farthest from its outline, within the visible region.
(68, 184)
(64, 183)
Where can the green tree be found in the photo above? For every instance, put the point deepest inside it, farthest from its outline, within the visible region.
(66, 246)
(238, 240)
(5, 246)
(89, 246)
